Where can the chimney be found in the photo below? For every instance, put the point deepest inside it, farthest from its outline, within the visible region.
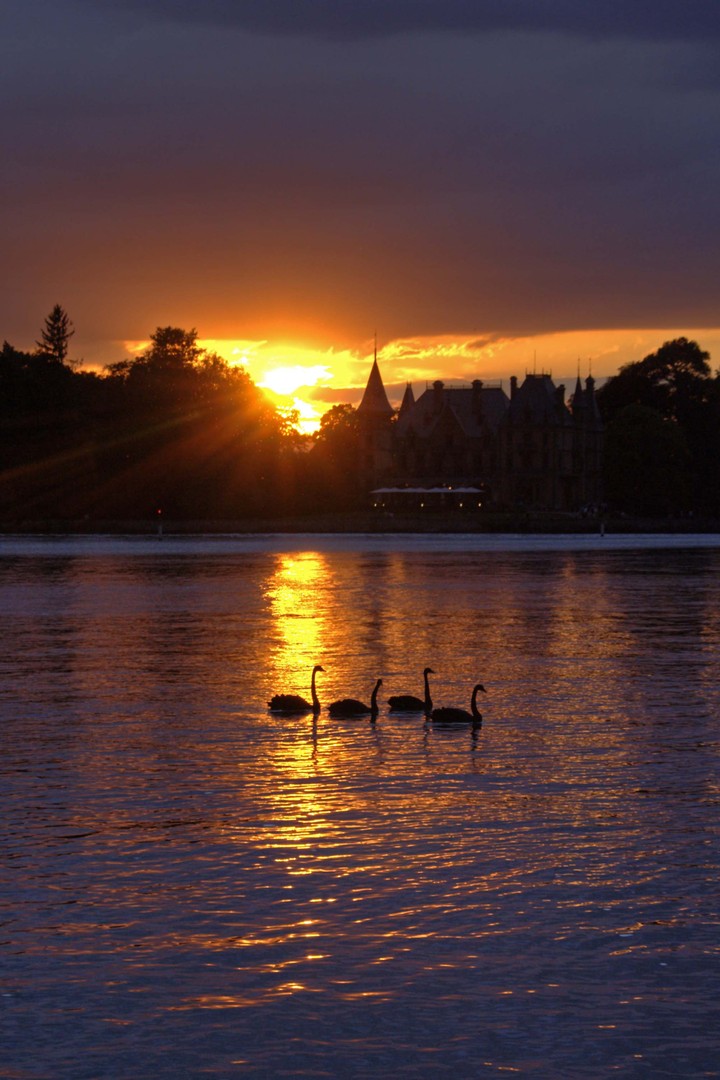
(513, 386)
(477, 396)
(438, 394)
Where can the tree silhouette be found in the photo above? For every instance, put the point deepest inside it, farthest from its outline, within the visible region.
(55, 335)
(336, 460)
(647, 463)
(677, 384)
(674, 380)
(194, 435)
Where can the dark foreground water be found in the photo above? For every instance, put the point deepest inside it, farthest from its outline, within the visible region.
(192, 887)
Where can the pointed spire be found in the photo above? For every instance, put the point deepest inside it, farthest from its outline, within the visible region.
(592, 400)
(408, 400)
(579, 404)
(375, 400)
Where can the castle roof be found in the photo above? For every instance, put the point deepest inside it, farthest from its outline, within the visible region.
(474, 409)
(539, 400)
(584, 403)
(375, 400)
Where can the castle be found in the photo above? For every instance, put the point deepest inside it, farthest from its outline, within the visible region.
(475, 445)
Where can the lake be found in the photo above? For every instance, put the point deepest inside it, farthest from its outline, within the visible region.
(195, 887)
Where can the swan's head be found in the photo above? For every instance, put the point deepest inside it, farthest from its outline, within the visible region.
(428, 671)
(318, 668)
(480, 686)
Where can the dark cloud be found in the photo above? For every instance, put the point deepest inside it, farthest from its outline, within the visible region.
(347, 19)
(176, 168)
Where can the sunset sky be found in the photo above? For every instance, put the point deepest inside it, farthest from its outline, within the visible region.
(491, 187)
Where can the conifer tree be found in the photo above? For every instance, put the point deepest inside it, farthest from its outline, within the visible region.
(56, 334)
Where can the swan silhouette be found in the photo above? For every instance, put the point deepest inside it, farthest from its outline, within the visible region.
(460, 716)
(350, 707)
(410, 703)
(293, 704)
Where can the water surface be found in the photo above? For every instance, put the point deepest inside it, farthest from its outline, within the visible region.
(192, 886)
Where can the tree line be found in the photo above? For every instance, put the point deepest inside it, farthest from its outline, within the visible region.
(177, 430)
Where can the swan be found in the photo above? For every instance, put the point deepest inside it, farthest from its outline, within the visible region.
(409, 703)
(293, 703)
(349, 707)
(460, 716)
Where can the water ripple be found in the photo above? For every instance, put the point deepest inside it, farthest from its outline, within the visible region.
(194, 886)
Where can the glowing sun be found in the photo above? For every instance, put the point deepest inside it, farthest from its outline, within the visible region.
(286, 380)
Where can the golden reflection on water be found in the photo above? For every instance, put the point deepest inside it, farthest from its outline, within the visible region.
(292, 592)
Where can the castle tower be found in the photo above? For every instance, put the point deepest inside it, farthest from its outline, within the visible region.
(374, 415)
(408, 401)
(375, 405)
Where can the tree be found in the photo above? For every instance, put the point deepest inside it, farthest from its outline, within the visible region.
(164, 378)
(339, 425)
(172, 349)
(676, 383)
(336, 458)
(675, 380)
(646, 468)
(194, 435)
(55, 335)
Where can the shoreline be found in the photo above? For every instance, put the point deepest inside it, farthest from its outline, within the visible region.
(372, 523)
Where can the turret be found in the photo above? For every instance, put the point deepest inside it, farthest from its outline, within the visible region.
(578, 399)
(374, 415)
(375, 402)
(408, 401)
(591, 401)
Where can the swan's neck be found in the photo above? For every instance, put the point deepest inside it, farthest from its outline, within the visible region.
(473, 705)
(373, 698)
(313, 691)
(428, 699)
